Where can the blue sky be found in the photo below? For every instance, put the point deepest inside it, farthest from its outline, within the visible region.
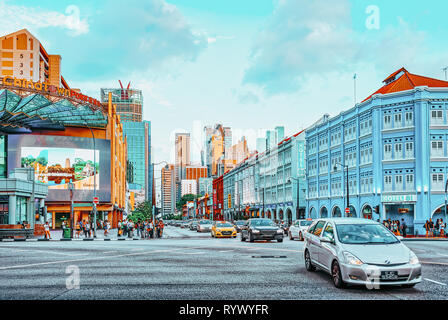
(251, 64)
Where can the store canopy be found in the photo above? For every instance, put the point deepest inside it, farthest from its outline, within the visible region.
(37, 112)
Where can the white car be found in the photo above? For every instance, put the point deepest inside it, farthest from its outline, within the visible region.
(298, 229)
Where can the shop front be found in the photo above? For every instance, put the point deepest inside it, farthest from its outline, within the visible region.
(398, 207)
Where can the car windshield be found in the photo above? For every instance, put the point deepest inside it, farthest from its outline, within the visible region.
(263, 223)
(204, 222)
(239, 223)
(364, 234)
(224, 225)
(306, 223)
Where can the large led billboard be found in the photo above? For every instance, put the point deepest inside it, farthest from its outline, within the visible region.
(58, 166)
(59, 159)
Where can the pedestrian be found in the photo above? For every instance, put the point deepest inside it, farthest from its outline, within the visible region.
(87, 229)
(442, 228)
(105, 228)
(403, 228)
(431, 227)
(161, 226)
(47, 230)
(78, 229)
(120, 228)
(436, 228)
(142, 229)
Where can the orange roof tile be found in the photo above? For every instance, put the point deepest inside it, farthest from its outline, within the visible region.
(406, 81)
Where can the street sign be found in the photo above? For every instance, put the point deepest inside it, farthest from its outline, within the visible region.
(347, 210)
(96, 200)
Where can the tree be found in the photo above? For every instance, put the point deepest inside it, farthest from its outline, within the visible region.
(184, 199)
(143, 211)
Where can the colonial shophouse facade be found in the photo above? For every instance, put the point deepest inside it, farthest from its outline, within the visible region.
(394, 145)
(267, 184)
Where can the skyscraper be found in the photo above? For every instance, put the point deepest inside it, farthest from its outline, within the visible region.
(280, 133)
(168, 189)
(129, 105)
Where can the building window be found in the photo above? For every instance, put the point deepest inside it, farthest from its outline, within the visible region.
(397, 120)
(409, 119)
(387, 183)
(398, 183)
(437, 180)
(398, 151)
(409, 150)
(437, 149)
(387, 122)
(387, 151)
(436, 117)
(409, 182)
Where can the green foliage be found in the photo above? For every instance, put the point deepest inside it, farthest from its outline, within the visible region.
(185, 198)
(143, 211)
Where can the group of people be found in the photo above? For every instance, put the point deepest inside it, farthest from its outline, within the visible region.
(397, 227)
(436, 229)
(144, 229)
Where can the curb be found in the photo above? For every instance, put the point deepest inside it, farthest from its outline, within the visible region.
(68, 239)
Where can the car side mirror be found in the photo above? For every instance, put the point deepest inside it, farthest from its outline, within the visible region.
(327, 240)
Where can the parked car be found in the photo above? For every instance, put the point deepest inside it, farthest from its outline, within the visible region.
(261, 229)
(298, 229)
(204, 226)
(360, 252)
(194, 225)
(223, 229)
(238, 224)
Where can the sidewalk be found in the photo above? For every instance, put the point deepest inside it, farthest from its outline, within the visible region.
(56, 235)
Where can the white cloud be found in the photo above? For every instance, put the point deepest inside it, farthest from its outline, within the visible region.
(14, 17)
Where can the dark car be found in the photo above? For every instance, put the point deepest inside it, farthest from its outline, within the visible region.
(238, 225)
(261, 229)
(194, 225)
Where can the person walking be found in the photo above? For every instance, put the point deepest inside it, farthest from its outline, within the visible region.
(87, 229)
(431, 227)
(47, 230)
(161, 226)
(78, 229)
(442, 228)
(119, 228)
(403, 228)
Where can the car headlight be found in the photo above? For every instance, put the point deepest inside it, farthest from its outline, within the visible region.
(218, 230)
(279, 231)
(352, 259)
(255, 231)
(413, 258)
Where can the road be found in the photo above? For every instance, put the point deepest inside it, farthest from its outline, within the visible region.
(189, 265)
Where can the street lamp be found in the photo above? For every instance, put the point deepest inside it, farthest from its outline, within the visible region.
(446, 192)
(71, 188)
(298, 196)
(345, 167)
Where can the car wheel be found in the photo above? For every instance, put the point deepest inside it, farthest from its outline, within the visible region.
(300, 236)
(242, 238)
(251, 237)
(308, 265)
(336, 275)
(290, 236)
(280, 240)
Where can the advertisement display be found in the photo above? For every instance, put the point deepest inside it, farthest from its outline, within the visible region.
(59, 159)
(58, 166)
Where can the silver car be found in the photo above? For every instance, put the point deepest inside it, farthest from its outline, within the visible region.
(204, 226)
(360, 252)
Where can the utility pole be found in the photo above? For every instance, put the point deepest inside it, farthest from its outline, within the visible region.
(354, 87)
(445, 70)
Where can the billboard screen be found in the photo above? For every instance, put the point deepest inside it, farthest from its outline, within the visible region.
(58, 166)
(57, 159)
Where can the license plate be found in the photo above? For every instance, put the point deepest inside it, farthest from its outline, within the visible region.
(389, 275)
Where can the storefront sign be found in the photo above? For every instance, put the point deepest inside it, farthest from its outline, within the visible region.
(399, 198)
(47, 88)
(403, 210)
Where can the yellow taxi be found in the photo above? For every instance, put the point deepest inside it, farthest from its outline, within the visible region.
(223, 229)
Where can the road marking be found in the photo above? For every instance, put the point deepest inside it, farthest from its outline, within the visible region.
(441, 254)
(226, 250)
(110, 251)
(45, 251)
(91, 258)
(200, 252)
(137, 249)
(434, 262)
(443, 284)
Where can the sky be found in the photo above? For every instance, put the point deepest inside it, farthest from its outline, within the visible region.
(251, 65)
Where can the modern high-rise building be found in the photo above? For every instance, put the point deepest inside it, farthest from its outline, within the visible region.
(195, 172)
(129, 105)
(182, 159)
(189, 187)
(205, 186)
(129, 102)
(22, 56)
(168, 190)
(280, 133)
(261, 145)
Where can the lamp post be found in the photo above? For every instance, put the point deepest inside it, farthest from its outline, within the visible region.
(446, 200)
(345, 167)
(71, 188)
(298, 196)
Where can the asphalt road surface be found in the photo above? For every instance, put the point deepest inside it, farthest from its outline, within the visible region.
(190, 265)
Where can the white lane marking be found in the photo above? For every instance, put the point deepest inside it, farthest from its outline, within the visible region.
(200, 252)
(48, 252)
(434, 262)
(110, 251)
(441, 254)
(437, 282)
(137, 249)
(90, 259)
(226, 250)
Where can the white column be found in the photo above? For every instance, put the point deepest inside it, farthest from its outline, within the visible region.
(12, 209)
